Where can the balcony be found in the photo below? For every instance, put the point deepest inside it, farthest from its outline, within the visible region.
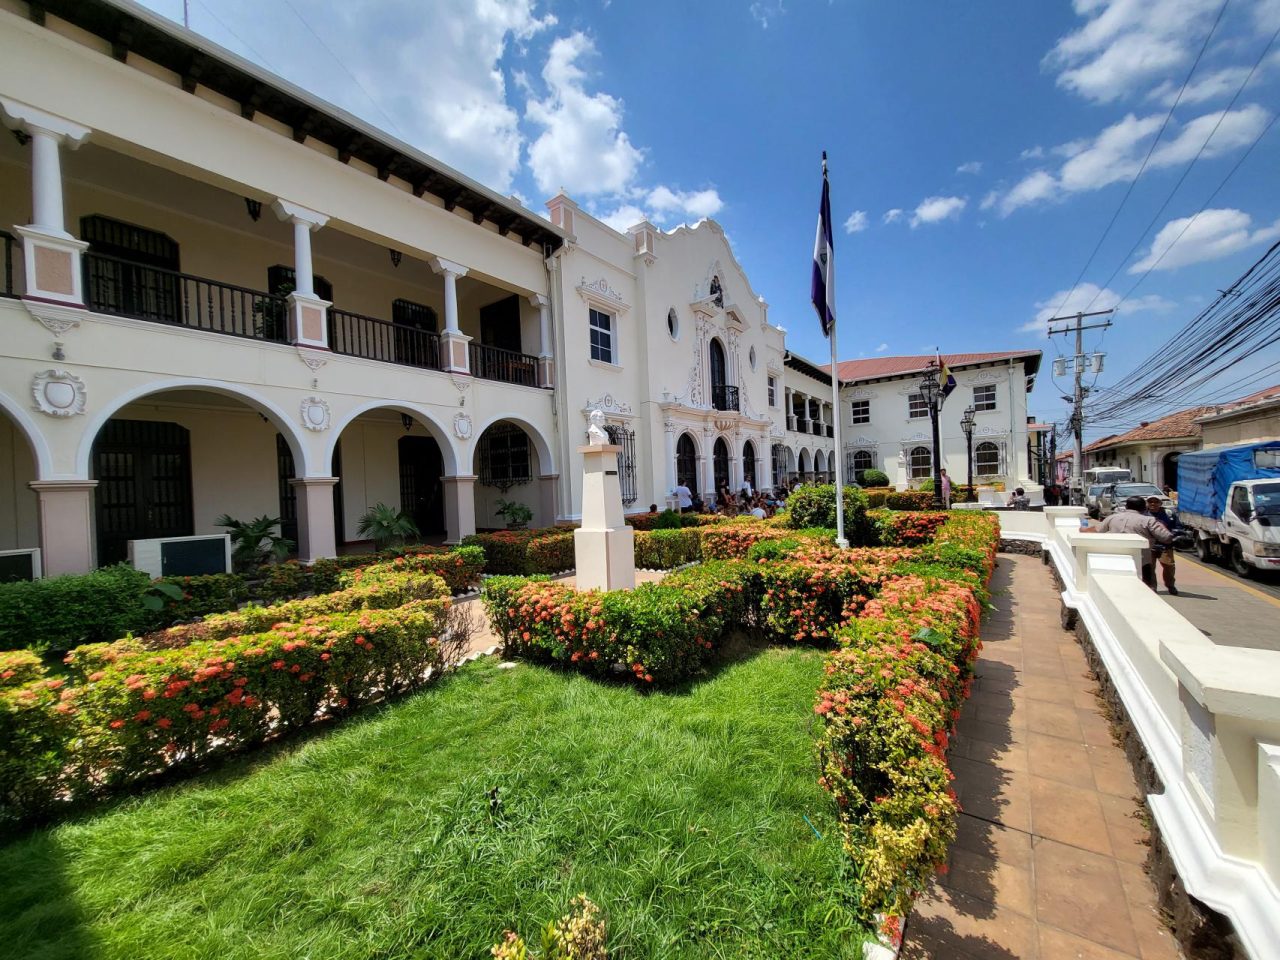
(831, 430)
(801, 425)
(724, 397)
(10, 245)
(122, 288)
(494, 363)
(817, 427)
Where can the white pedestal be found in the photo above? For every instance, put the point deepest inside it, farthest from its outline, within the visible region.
(604, 546)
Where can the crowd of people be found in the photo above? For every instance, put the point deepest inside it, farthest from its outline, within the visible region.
(726, 503)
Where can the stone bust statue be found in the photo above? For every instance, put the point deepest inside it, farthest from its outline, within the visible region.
(596, 435)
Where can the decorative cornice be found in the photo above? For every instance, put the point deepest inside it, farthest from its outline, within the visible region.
(607, 404)
(601, 292)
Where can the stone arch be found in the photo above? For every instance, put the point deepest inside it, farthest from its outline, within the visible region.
(284, 423)
(546, 459)
(804, 463)
(819, 462)
(35, 439)
(420, 416)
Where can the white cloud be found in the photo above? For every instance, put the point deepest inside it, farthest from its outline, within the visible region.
(1210, 236)
(882, 348)
(1032, 153)
(582, 147)
(1089, 296)
(625, 216)
(1127, 43)
(1220, 83)
(892, 216)
(936, 209)
(973, 166)
(857, 222)
(694, 204)
(1116, 154)
(762, 11)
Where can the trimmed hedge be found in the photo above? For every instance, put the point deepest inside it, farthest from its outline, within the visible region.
(142, 712)
(664, 549)
(57, 613)
(889, 703)
(815, 506)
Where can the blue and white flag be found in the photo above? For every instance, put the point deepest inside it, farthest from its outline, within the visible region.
(824, 261)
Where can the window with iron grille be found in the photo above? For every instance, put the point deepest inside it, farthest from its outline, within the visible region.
(687, 462)
(920, 463)
(862, 411)
(626, 439)
(406, 313)
(986, 459)
(601, 329)
(858, 463)
(916, 407)
(504, 457)
(984, 397)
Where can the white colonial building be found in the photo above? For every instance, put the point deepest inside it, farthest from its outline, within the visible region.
(221, 295)
(886, 422)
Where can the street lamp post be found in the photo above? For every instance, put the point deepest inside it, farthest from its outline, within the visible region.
(931, 390)
(966, 424)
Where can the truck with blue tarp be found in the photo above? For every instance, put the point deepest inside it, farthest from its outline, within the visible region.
(1230, 498)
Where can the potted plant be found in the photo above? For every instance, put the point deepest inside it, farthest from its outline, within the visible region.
(386, 526)
(518, 515)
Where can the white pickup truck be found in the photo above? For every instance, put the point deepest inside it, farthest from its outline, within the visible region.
(1230, 499)
(1094, 478)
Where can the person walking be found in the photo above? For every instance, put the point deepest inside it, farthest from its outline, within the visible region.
(684, 497)
(1133, 519)
(946, 489)
(1165, 556)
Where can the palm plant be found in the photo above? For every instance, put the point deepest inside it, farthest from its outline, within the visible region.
(386, 525)
(256, 541)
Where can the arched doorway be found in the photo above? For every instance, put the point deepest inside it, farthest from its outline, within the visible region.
(171, 463)
(805, 466)
(719, 369)
(861, 462)
(778, 458)
(820, 467)
(687, 463)
(749, 465)
(720, 463)
(509, 463)
(19, 506)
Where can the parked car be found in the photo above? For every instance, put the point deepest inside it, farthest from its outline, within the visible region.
(1091, 498)
(1114, 495)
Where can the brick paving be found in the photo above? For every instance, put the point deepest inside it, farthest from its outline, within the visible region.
(1047, 864)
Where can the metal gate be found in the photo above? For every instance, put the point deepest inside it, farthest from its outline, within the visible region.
(143, 469)
(626, 439)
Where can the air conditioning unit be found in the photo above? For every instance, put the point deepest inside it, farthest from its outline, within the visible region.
(182, 556)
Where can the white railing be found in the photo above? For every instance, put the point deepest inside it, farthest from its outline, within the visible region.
(1208, 716)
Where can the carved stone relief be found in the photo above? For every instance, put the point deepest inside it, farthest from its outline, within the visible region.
(315, 414)
(58, 393)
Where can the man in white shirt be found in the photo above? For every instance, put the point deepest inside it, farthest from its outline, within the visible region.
(683, 496)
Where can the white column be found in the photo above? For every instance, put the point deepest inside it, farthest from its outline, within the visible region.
(459, 507)
(546, 349)
(669, 448)
(316, 535)
(308, 314)
(453, 342)
(51, 255)
(66, 519)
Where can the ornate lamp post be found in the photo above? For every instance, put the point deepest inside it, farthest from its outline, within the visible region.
(931, 390)
(966, 424)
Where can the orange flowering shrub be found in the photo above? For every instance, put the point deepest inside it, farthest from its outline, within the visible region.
(907, 529)
(19, 667)
(889, 704)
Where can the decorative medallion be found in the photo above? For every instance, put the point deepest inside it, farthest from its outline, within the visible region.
(58, 393)
(462, 427)
(600, 288)
(315, 414)
(55, 318)
(314, 359)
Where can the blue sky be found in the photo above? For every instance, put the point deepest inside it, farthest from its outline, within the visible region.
(1004, 135)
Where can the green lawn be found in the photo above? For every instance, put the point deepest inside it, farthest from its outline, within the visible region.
(681, 815)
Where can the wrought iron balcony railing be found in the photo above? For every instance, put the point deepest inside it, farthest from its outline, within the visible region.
(10, 244)
(508, 366)
(356, 335)
(724, 397)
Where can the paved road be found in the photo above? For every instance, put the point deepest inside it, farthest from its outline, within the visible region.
(1227, 608)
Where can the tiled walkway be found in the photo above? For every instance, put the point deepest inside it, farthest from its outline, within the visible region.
(1048, 861)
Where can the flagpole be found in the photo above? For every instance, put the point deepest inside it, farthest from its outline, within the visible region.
(841, 541)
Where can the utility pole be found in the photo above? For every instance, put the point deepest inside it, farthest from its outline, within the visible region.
(1078, 361)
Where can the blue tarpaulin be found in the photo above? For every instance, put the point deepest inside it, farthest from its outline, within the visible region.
(1205, 476)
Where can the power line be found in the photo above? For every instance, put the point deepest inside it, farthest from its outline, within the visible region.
(354, 79)
(1145, 160)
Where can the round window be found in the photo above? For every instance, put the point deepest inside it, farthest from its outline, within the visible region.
(673, 324)
(752, 357)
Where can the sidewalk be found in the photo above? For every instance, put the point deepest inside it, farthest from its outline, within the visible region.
(1227, 610)
(1048, 859)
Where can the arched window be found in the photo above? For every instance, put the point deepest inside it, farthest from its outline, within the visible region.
(862, 462)
(720, 463)
(986, 459)
(687, 462)
(819, 464)
(804, 464)
(779, 465)
(719, 369)
(920, 463)
(749, 464)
